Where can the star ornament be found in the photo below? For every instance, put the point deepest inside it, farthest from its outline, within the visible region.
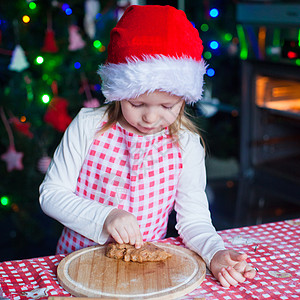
(13, 159)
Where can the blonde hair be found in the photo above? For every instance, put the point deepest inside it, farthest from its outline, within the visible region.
(114, 113)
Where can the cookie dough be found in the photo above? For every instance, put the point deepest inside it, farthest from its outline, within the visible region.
(148, 252)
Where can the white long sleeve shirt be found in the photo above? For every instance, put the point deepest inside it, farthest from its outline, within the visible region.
(59, 200)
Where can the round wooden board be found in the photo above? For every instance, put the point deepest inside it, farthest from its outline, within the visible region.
(88, 272)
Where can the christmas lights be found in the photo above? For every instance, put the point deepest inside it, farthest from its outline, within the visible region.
(39, 60)
(207, 55)
(22, 119)
(228, 37)
(77, 65)
(102, 48)
(32, 5)
(26, 19)
(204, 27)
(4, 201)
(214, 45)
(67, 9)
(210, 72)
(214, 12)
(45, 98)
(97, 44)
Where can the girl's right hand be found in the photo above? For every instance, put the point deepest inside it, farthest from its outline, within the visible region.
(123, 227)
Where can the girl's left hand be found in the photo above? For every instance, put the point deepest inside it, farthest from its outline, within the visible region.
(230, 267)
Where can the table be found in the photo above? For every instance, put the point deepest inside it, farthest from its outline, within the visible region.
(273, 250)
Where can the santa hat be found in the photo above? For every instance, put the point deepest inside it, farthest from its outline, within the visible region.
(153, 48)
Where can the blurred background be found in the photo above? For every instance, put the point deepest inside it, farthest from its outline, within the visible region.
(250, 113)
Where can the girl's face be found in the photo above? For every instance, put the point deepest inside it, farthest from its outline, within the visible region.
(150, 113)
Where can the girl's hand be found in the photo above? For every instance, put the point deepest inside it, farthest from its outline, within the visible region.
(123, 227)
(231, 268)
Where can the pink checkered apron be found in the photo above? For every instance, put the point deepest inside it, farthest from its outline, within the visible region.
(132, 172)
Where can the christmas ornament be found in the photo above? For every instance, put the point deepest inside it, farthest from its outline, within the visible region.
(57, 114)
(49, 41)
(122, 5)
(43, 164)
(12, 158)
(92, 8)
(75, 40)
(90, 102)
(22, 127)
(18, 61)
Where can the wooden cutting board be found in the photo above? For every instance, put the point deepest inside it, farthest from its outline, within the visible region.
(88, 272)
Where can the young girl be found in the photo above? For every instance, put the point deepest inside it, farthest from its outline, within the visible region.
(118, 172)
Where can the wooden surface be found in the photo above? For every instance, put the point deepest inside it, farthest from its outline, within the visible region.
(89, 273)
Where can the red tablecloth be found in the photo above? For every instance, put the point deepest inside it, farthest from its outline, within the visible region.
(273, 249)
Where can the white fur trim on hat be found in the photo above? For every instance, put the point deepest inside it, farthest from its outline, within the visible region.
(179, 76)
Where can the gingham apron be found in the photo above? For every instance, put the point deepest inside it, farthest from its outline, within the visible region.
(132, 172)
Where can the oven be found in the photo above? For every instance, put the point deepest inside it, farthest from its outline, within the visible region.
(270, 135)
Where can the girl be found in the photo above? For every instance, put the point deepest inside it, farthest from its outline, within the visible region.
(118, 172)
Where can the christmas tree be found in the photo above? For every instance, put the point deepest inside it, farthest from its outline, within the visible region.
(49, 55)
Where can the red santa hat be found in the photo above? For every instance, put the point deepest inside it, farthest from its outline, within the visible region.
(153, 48)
